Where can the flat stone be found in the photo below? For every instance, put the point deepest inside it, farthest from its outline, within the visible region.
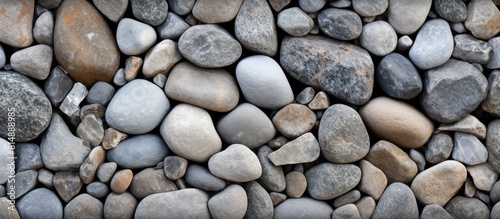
(483, 19)
(303, 207)
(45, 177)
(398, 77)
(139, 151)
(394, 162)
(259, 202)
(120, 205)
(295, 22)
(438, 184)
(32, 206)
(231, 202)
(150, 181)
(190, 133)
(462, 207)
(101, 92)
(397, 201)
(468, 149)
(346, 211)
(209, 46)
(112, 138)
(492, 102)
(113, 10)
(91, 130)
(434, 211)
(28, 157)
(174, 167)
(44, 29)
(348, 198)
(483, 175)
(296, 184)
(211, 89)
(17, 23)
(327, 180)
(189, 203)
(71, 104)
(347, 73)
(433, 45)
(404, 22)
(305, 96)
(150, 12)
(469, 124)
(366, 206)
(97, 189)
(373, 180)
(67, 184)
(273, 177)
(293, 120)
(472, 50)
(303, 149)
(340, 24)
(121, 180)
(181, 7)
(173, 27)
(236, 163)
(200, 177)
(88, 169)
(106, 171)
(134, 37)
(84, 45)
(57, 86)
(444, 84)
(23, 182)
(368, 8)
(220, 11)
(161, 58)
(83, 205)
(22, 98)
(254, 125)
(342, 136)
(60, 149)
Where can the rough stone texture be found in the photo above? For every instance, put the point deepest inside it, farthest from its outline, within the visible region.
(453, 90)
(45, 177)
(32, 206)
(340, 24)
(405, 22)
(201, 178)
(260, 204)
(468, 149)
(152, 12)
(394, 162)
(294, 120)
(220, 11)
(84, 206)
(472, 50)
(112, 138)
(469, 124)
(139, 151)
(91, 130)
(303, 149)
(150, 181)
(370, 8)
(113, 10)
(462, 207)
(438, 148)
(67, 184)
(212, 89)
(161, 58)
(28, 156)
(303, 208)
(209, 46)
(34, 61)
(438, 184)
(373, 180)
(434, 211)
(84, 44)
(295, 22)
(453, 11)
(71, 104)
(236, 163)
(379, 38)
(273, 177)
(190, 133)
(232, 202)
(397, 201)
(88, 169)
(23, 99)
(305, 96)
(44, 29)
(17, 22)
(342, 136)
(398, 77)
(119, 205)
(483, 19)
(95, 108)
(327, 180)
(483, 176)
(495, 59)
(174, 167)
(340, 69)
(433, 45)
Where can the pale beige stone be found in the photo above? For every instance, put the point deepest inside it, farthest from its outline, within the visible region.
(483, 176)
(320, 101)
(373, 180)
(469, 124)
(394, 162)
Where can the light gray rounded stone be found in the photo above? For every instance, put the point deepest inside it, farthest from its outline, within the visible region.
(28, 157)
(379, 38)
(236, 163)
(106, 170)
(97, 189)
(121, 205)
(405, 22)
(201, 178)
(139, 151)
(119, 78)
(468, 149)
(295, 22)
(43, 29)
(346, 211)
(368, 8)
(433, 45)
(397, 201)
(327, 180)
(113, 10)
(303, 208)
(134, 37)
(101, 92)
(40, 203)
(232, 202)
(311, 6)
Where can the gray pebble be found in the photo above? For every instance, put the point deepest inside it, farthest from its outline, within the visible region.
(101, 92)
(113, 10)
(433, 45)
(119, 78)
(462, 207)
(468, 149)
(341, 24)
(84, 206)
(398, 77)
(173, 27)
(273, 177)
(40, 203)
(134, 37)
(439, 148)
(28, 157)
(295, 22)
(181, 7)
(303, 207)
(472, 50)
(379, 38)
(43, 29)
(397, 201)
(348, 198)
(327, 180)
(127, 155)
(404, 43)
(97, 189)
(34, 61)
(368, 8)
(311, 6)
(260, 204)
(106, 171)
(152, 12)
(71, 103)
(200, 177)
(150, 181)
(121, 205)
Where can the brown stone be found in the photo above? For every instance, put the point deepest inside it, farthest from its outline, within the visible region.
(84, 44)
(294, 120)
(95, 108)
(112, 137)
(150, 181)
(88, 169)
(278, 5)
(132, 66)
(469, 188)
(373, 180)
(320, 101)
(121, 181)
(397, 122)
(67, 184)
(16, 22)
(483, 19)
(394, 162)
(296, 184)
(277, 197)
(161, 58)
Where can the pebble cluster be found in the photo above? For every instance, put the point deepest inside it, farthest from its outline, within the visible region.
(249, 109)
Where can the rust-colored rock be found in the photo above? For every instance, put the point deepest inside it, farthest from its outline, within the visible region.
(16, 22)
(121, 180)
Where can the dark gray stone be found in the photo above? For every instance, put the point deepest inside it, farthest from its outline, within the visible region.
(482, 196)
(345, 71)
(28, 157)
(152, 12)
(492, 102)
(327, 180)
(44, 28)
(398, 77)
(260, 204)
(468, 149)
(472, 50)
(49, 4)
(397, 201)
(462, 207)
(306, 95)
(181, 7)
(101, 92)
(83, 206)
(97, 189)
(452, 91)
(67, 184)
(26, 103)
(200, 177)
(495, 211)
(139, 151)
(434, 211)
(173, 27)
(40, 203)
(150, 181)
(184, 203)
(340, 24)
(232, 202)
(302, 208)
(493, 144)
(273, 177)
(438, 148)
(120, 205)
(174, 167)
(25, 181)
(451, 10)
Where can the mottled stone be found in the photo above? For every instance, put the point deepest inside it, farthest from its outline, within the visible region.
(320, 101)
(340, 24)
(132, 66)
(32, 206)
(469, 124)
(394, 162)
(305, 96)
(173, 27)
(67, 184)
(462, 207)
(294, 120)
(84, 206)
(379, 38)
(161, 58)
(91, 130)
(453, 11)
(17, 22)
(220, 11)
(120, 205)
(174, 167)
(492, 102)
(405, 22)
(184, 203)
(139, 151)
(273, 177)
(472, 50)
(433, 45)
(468, 149)
(259, 202)
(397, 201)
(303, 149)
(295, 22)
(327, 180)
(236, 163)
(88, 169)
(483, 19)
(44, 28)
(366, 206)
(152, 12)
(121, 180)
(150, 181)
(112, 138)
(367, 8)
(28, 156)
(398, 77)
(438, 148)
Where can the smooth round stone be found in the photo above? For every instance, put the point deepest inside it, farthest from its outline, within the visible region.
(404, 43)
(134, 37)
(119, 78)
(295, 22)
(418, 158)
(22, 98)
(453, 11)
(397, 201)
(495, 192)
(17, 23)
(3, 59)
(174, 167)
(398, 77)
(438, 184)
(495, 57)
(150, 12)
(405, 22)
(397, 122)
(495, 211)
(379, 38)
(83, 205)
(263, 82)
(311, 6)
(45, 177)
(113, 10)
(236, 163)
(443, 86)
(101, 92)
(293, 120)
(139, 151)
(468, 149)
(340, 24)
(260, 204)
(394, 162)
(24, 182)
(150, 181)
(342, 136)
(327, 180)
(433, 45)
(190, 133)
(127, 111)
(255, 27)
(229, 203)
(44, 28)
(211, 89)
(119, 205)
(306, 95)
(462, 207)
(161, 58)
(84, 45)
(246, 118)
(373, 180)
(40, 203)
(438, 148)
(303, 207)
(181, 7)
(366, 206)
(97, 189)
(273, 177)
(172, 28)
(296, 184)
(200, 177)
(348, 198)
(219, 11)
(368, 8)
(434, 211)
(121, 180)
(346, 211)
(483, 19)
(188, 203)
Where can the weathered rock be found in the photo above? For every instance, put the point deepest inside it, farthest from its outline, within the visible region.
(45, 177)
(469, 124)
(259, 202)
(438, 148)
(113, 10)
(150, 12)
(394, 162)
(472, 50)
(397, 77)
(174, 167)
(405, 22)
(236, 163)
(88, 169)
(327, 180)
(462, 207)
(433, 45)
(273, 177)
(32, 206)
(34, 61)
(370, 8)
(91, 130)
(139, 151)
(134, 37)
(120, 205)
(453, 11)
(84, 206)
(483, 176)
(221, 11)
(150, 181)
(28, 156)
(67, 184)
(294, 120)
(17, 22)
(11, 211)
(295, 22)
(71, 104)
(483, 19)
(97, 189)
(303, 149)
(320, 101)
(493, 144)
(492, 102)
(132, 66)
(201, 178)
(366, 206)
(340, 24)
(112, 138)
(468, 149)
(397, 201)
(303, 207)
(232, 202)
(379, 38)
(23, 182)
(305, 96)
(373, 180)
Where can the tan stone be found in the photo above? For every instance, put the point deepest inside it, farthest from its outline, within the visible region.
(84, 44)
(394, 162)
(438, 184)
(469, 188)
(483, 176)
(277, 197)
(397, 122)
(16, 22)
(121, 181)
(293, 120)
(366, 206)
(296, 184)
(373, 180)
(132, 66)
(483, 19)
(111, 138)
(88, 169)
(469, 124)
(320, 101)
(161, 58)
